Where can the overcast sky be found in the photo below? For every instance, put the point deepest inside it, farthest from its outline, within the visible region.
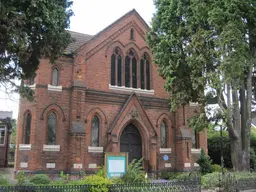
(91, 16)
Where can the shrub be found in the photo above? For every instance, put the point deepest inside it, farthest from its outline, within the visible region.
(216, 168)
(211, 180)
(20, 177)
(135, 173)
(252, 159)
(40, 179)
(100, 183)
(204, 162)
(101, 172)
(168, 175)
(3, 180)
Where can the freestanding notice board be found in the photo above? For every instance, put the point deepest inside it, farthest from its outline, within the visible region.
(116, 164)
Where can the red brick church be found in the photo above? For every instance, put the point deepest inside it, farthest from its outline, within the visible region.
(104, 95)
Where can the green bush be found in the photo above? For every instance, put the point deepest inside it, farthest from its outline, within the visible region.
(20, 177)
(168, 175)
(204, 162)
(99, 182)
(40, 179)
(135, 173)
(216, 168)
(101, 172)
(3, 180)
(252, 159)
(214, 145)
(211, 180)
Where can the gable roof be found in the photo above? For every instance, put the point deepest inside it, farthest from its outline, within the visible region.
(81, 39)
(140, 108)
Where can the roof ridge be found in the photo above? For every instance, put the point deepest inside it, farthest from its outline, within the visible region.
(79, 33)
(116, 21)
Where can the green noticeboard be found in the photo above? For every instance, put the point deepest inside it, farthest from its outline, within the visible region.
(116, 164)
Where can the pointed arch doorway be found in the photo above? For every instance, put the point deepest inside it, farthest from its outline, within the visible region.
(131, 142)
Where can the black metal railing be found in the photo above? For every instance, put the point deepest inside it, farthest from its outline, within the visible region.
(192, 185)
(233, 184)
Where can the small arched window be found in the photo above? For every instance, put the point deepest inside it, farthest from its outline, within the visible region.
(195, 140)
(27, 123)
(163, 135)
(55, 77)
(95, 131)
(131, 63)
(31, 81)
(116, 68)
(51, 131)
(132, 34)
(145, 72)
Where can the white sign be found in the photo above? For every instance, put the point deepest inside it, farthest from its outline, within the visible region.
(116, 166)
(50, 165)
(92, 166)
(78, 166)
(168, 165)
(23, 164)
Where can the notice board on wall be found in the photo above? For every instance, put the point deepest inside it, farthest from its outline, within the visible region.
(116, 164)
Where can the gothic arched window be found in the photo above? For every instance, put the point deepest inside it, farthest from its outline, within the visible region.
(163, 135)
(145, 72)
(55, 77)
(116, 68)
(27, 124)
(95, 131)
(131, 70)
(51, 130)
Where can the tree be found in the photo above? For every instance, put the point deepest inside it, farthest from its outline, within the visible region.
(204, 161)
(206, 52)
(30, 30)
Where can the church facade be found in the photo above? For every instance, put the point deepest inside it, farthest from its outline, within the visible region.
(104, 95)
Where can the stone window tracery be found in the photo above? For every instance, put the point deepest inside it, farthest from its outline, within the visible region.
(129, 71)
(116, 68)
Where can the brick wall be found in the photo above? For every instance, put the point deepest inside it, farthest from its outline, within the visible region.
(85, 80)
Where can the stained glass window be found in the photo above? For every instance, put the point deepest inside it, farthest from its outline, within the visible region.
(55, 77)
(163, 135)
(51, 134)
(95, 131)
(27, 128)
